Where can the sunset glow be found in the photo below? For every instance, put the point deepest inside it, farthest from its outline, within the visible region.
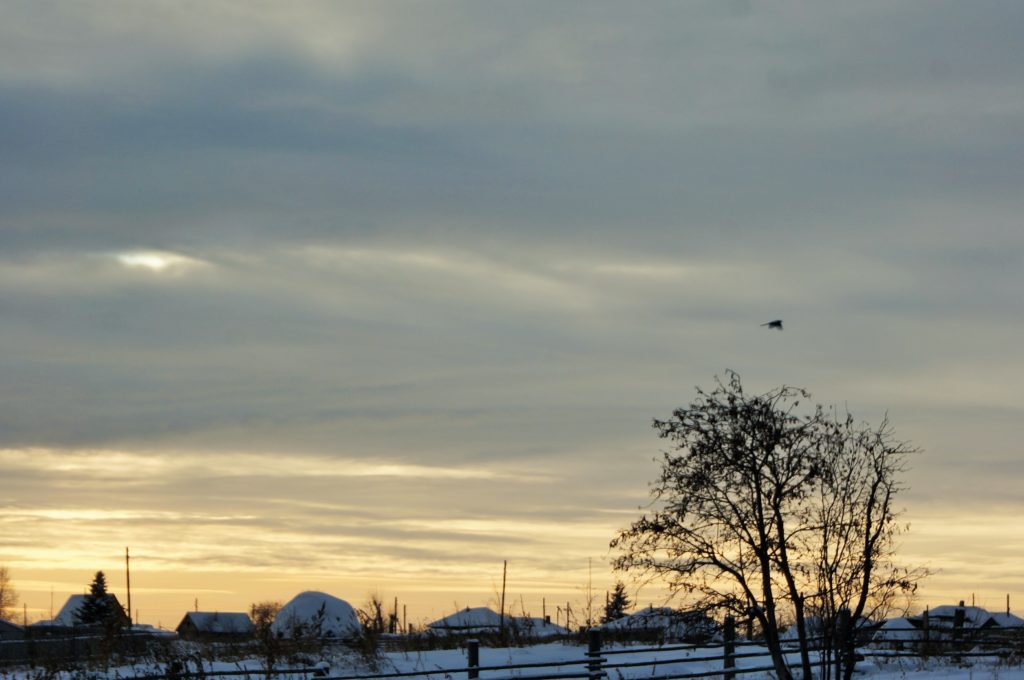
(374, 297)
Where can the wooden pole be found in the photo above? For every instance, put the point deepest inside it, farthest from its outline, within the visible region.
(504, 574)
(594, 654)
(128, 582)
(473, 652)
(729, 648)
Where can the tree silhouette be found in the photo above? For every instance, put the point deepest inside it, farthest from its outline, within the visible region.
(770, 515)
(98, 606)
(617, 604)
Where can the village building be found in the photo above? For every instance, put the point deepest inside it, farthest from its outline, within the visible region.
(315, 615)
(11, 631)
(215, 626)
(68, 616)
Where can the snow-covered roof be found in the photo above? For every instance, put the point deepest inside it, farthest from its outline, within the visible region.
(315, 614)
(974, 617)
(469, 620)
(1008, 620)
(650, 618)
(68, 614)
(897, 630)
(225, 623)
(538, 626)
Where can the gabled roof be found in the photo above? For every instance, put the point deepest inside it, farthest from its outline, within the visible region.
(477, 618)
(943, 616)
(68, 615)
(974, 617)
(898, 630)
(225, 623)
(537, 626)
(1008, 620)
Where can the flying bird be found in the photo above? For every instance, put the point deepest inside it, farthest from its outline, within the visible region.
(777, 324)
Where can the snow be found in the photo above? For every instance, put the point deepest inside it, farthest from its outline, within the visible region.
(672, 662)
(315, 614)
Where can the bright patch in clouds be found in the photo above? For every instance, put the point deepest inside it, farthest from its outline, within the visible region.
(156, 261)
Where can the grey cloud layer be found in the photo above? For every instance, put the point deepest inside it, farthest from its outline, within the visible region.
(463, 234)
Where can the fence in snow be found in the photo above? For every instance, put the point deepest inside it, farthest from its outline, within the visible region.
(728, 659)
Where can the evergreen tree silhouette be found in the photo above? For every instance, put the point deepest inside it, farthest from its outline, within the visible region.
(617, 604)
(97, 606)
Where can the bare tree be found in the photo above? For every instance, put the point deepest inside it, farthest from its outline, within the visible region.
(263, 615)
(754, 513)
(8, 596)
(852, 545)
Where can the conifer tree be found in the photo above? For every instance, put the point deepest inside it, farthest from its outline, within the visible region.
(617, 604)
(97, 606)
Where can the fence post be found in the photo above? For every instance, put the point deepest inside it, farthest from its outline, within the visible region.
(843, 642)
(594, 654)
(958, 629)
(926, 630)
(473, 652)
(729, 648)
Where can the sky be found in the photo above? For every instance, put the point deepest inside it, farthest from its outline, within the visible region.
(372, 297)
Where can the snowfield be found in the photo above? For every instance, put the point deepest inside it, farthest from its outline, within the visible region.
(449, 664)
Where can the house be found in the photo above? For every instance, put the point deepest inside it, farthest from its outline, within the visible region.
(470, 621)
(942, 622)
(215, 626)
(68, 616)
(664, 623)
(898, 633)
(538, 628)
(317, 615)
(11, 631)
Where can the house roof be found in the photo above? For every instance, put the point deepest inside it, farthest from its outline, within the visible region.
(476, 618)
(539, 626)
(1008, 620)
(10, 630)
(313, 613)
(219, 622)
(68, 614)
(974, 617)
(897, 630)
(654, 618)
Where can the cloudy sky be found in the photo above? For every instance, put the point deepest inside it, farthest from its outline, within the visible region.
(374, 296)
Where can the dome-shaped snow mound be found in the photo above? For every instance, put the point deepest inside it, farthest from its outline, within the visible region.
(316, 615)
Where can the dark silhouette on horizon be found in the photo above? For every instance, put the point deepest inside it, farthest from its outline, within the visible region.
(777, 324)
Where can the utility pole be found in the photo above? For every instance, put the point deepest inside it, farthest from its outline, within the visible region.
(504, 574)
(128, 583)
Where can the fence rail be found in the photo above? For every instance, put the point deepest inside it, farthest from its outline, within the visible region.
(728, 659)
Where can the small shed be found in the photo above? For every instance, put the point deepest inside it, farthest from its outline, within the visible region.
(215, 626)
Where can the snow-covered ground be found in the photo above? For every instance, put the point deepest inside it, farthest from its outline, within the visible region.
(450, 664)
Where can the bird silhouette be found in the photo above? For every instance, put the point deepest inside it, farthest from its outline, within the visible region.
(777, 324)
